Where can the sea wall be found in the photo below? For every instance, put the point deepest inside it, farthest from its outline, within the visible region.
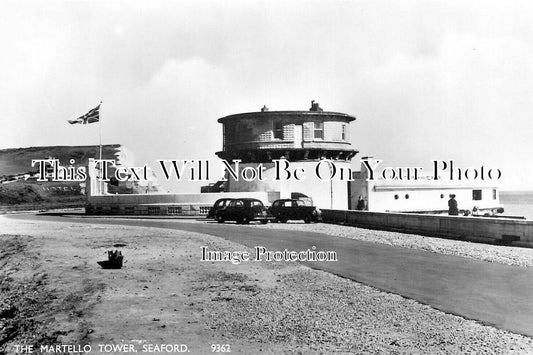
(479, 229)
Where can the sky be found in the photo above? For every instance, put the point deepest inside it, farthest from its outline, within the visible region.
(425, 79)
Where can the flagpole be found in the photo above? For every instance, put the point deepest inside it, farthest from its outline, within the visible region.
(100, 139)
(100, 132)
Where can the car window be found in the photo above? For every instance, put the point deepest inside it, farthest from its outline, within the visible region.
(275, 204)
(236, 203)
(299, 203)
(287, 204)
(257, 203)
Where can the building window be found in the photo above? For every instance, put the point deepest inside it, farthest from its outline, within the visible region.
(343, 133)
(441, 195)
(174, 210)
(204, 209)
(319, 130)
(129, 210)
(153, 210)
(278, 130)
(476, 195)
(407, 196)
(494, 194)
(396, 197)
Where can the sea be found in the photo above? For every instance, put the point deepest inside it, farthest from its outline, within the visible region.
(517, 203)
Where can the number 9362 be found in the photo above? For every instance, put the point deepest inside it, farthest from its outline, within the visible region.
(220, 348)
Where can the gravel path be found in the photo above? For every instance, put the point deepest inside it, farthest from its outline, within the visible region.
(516, 256)
(310, 311)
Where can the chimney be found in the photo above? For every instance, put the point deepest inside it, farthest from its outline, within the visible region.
(315, 107)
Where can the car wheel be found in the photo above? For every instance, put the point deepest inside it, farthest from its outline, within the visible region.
(307, 219)
(245, 220)
(220, 219)
(264, 221)
(283, 220)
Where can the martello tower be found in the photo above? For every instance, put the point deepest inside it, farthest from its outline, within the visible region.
(301, 137)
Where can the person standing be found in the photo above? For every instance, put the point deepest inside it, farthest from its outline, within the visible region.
(452, 206)
(361, 204)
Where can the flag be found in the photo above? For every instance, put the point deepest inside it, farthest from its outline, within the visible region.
(90, 117)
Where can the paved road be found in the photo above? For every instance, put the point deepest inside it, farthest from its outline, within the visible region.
(494, 294)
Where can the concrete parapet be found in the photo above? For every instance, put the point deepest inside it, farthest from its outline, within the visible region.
(480, 229)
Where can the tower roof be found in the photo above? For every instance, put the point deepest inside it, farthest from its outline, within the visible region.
(288, 114)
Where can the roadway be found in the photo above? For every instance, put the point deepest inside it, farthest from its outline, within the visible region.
(494, 294)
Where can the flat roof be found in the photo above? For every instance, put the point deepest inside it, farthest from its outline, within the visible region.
(265, 114)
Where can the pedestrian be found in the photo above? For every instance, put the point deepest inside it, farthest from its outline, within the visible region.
(361, 205)
(452, 206)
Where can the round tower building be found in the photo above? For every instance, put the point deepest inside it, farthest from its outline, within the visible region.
(301, 137)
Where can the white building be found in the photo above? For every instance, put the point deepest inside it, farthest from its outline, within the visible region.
(423, 195)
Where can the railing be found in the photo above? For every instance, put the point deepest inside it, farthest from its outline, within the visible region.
(39, 207)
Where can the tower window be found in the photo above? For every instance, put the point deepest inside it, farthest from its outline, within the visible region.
(319, 130)
(278, 130)
(476, 195)
(343, 134)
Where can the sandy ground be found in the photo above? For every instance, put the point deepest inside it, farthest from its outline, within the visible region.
(54, 293)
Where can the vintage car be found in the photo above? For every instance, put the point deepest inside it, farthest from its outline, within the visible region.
(243, 210)
(286, 209)
(219, 204)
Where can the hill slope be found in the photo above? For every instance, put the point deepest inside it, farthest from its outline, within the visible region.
(18, 160)
(18, 187)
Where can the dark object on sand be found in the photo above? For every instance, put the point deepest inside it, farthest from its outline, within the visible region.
(114, 260)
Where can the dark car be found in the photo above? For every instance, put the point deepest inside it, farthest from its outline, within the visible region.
(219, 204)
(283, 210)
(243, 210)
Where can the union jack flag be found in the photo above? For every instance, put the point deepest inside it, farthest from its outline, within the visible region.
(90, 117)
